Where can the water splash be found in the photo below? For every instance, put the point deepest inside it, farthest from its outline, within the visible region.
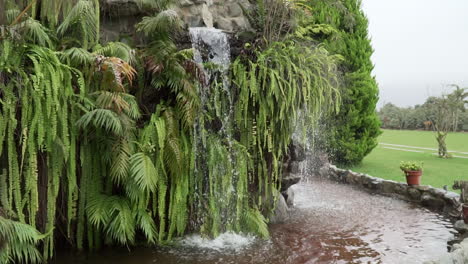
(226, 241)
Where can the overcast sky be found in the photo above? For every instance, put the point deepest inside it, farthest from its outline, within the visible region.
(420, 46)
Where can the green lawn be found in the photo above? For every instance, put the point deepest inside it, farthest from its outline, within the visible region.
(384, 162)
(455, 141)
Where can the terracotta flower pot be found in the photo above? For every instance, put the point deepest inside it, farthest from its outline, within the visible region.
(465, 213)
(413, 177)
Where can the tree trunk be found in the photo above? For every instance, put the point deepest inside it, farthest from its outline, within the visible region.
(442, 146)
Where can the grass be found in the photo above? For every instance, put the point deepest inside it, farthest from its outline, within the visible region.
(384, 163)
(455, 141)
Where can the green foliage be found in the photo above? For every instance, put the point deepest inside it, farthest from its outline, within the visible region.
(411, 166)
(285, 80)
(109, 144)
(355, 128)
(19, 242)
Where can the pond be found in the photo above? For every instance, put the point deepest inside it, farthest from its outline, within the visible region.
(330, 223)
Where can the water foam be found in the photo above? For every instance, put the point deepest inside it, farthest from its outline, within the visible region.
(224, 242)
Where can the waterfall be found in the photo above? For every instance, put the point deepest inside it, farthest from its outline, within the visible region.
(215, 122)
(211, 45)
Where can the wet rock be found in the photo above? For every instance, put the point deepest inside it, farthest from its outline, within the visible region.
(185, 3)
(401, 188)
(352, 178)
(281, 213)
(414, 194)
(223, 23)
(290, 180)
(432, 202)
(290, 197)
(388, 186)
(460, 226)
(294, 167)
(234, 10)
(324, 171)
(207, 16)
(121, 8)
(297, 152)
(194, 21)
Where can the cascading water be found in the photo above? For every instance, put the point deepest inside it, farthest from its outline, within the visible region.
(212, 51)
(211, 45)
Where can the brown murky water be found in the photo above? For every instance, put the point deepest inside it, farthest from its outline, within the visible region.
(331, 223)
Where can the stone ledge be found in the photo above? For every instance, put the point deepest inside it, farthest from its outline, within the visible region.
(442, 201)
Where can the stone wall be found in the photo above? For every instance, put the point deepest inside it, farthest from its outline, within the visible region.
(439, 200)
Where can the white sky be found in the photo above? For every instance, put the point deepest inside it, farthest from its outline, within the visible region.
(420, 46)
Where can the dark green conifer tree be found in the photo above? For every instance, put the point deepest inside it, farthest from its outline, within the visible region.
(354, 130)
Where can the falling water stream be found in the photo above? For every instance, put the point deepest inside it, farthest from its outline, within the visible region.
(329, 223)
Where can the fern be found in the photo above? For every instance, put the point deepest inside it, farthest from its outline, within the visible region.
(21, 240)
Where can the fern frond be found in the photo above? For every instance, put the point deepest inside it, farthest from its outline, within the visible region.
(163, 22)
(143, 171)
(101, 118)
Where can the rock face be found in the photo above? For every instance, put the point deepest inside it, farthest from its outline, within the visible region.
(227, 15)
(281, 213)
(461, 227)
(120, 16)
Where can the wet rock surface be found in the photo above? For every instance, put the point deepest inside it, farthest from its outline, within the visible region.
(119, 17)
(460, 226)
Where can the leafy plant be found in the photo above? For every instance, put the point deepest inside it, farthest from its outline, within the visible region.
(353, 131)
(411, 166)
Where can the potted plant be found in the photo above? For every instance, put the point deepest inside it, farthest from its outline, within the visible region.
(413, 171)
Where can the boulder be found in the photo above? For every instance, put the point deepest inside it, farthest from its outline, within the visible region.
(281, 213)
(290, 197)
(414, 194)
(289, 180)
(432, 202)
(460, 226)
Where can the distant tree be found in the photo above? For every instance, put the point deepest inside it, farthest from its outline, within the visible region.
(441, 111)
(457, 101)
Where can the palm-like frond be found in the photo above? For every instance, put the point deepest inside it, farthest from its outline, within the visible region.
(102, 118)
(147, 225)
(160, 24)
(120, 161)
(118, 50)
(21, 240)
(143, 171)
(35, 32)
(82, 22)
(77, 57)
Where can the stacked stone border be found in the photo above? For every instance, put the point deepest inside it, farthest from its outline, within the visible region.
(435, 199)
